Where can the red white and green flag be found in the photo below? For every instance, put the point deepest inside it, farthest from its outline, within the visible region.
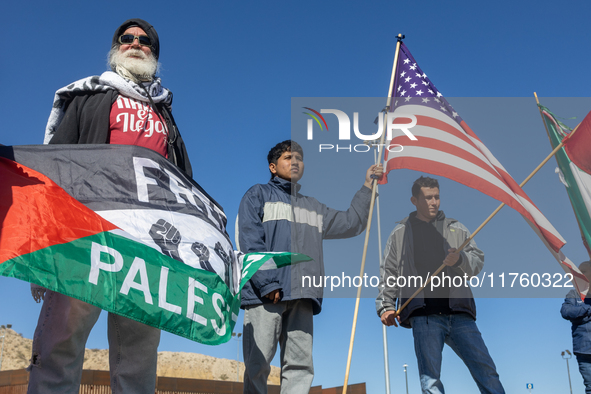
(576, 178)
(122, 228)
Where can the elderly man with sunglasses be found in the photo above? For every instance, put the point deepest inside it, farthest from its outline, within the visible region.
(129, 106)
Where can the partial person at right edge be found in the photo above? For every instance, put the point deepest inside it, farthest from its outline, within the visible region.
(578, 312)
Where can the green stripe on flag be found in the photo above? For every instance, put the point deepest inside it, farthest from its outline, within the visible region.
(578, 193)
(133, 280)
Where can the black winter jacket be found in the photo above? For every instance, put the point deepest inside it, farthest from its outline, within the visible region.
(86, 121)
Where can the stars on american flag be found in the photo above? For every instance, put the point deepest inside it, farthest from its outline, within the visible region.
(416, 88)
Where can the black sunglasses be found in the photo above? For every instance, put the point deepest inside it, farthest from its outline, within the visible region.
(128, 39)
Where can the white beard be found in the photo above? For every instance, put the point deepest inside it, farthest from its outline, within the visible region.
(128, 65)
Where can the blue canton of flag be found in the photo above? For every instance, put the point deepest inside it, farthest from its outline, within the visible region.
(412, 86)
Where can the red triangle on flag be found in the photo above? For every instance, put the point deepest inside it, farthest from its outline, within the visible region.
(36, 213)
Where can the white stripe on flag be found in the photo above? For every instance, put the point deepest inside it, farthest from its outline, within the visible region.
(268, 265)
(421, 156)
(584, 183)
(481, 151)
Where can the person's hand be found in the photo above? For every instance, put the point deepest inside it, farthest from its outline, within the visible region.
(38, 292)
(373, 172)
(274, 296)
(452, 258)
(389, 318)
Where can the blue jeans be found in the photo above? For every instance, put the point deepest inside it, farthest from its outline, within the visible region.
(584, 361)
(60, 338)
(460, 333)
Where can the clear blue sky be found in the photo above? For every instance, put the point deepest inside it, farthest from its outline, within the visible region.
(234, 67)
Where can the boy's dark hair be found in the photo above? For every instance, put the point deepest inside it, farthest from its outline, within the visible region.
(423, 181)
(282, 147)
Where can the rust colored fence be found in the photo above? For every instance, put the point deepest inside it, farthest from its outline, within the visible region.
(14, 382)
(98, 382)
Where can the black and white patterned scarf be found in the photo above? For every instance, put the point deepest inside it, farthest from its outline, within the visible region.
(107, 81)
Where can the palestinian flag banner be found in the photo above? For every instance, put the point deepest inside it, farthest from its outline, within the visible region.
(574, 177)
(122, 228)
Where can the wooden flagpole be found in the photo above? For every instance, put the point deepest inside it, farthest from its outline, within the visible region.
(384, 333)
(373, 196)
(467, 241)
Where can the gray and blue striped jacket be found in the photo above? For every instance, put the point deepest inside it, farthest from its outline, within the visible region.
(275, 217)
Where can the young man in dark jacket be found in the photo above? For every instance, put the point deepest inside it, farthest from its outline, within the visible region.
(417, 247)
(279, 307)
(578, 312)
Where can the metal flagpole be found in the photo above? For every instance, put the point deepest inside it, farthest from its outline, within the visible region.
(467, 241)
(373, 196)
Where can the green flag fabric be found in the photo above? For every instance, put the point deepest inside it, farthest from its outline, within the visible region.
(121, 228)
(577, 181)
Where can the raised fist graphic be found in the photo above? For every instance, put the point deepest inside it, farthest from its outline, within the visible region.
(203, 254)
(167, 237)
(219, 250)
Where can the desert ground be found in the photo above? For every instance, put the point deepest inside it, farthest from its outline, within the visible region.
(17, 352)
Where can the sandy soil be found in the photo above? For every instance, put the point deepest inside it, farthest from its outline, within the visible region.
(17, 352)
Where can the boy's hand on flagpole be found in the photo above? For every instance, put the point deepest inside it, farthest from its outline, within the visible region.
(389, 318)
(373, 172)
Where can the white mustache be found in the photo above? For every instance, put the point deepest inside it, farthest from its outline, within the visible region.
(135, 53)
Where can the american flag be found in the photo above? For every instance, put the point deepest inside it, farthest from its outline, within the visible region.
(413, 87)
(447, 147)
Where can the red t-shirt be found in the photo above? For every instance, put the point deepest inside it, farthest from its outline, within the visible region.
(133, 122)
